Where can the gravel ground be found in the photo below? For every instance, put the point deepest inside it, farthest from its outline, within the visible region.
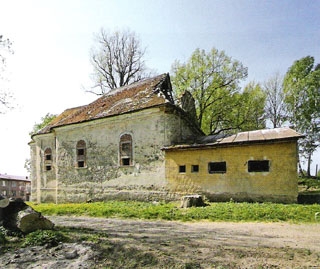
(168, 244)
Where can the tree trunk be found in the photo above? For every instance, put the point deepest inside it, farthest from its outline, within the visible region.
(28, 220)
(18, 216)
(192, 200)
(309, 166)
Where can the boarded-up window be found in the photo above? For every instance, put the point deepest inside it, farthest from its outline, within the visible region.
(258, 166)
(81, 154)
(48, 159)
(217, 167)
(125, 150)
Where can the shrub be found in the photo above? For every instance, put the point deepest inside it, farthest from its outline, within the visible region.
(2, 237)
(44, 237)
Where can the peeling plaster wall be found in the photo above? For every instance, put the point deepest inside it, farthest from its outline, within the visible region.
(278, 185)
(103, 178)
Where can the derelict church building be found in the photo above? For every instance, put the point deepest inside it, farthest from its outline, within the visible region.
(135, 143)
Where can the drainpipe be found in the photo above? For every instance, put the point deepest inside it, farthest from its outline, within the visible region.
(56, 165)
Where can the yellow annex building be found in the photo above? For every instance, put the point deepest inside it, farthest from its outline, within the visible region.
(249, 166)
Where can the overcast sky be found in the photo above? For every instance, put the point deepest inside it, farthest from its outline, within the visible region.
(52, 39)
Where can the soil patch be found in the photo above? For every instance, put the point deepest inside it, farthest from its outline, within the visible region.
(168, 244)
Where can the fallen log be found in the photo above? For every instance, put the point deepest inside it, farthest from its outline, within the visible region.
(18, 216)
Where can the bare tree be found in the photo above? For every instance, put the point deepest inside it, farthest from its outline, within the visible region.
(117, 60)
(5, 95)
(275, 105)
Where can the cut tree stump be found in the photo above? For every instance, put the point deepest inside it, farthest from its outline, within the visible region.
(18, 216)
(192, 200)
(28, 220)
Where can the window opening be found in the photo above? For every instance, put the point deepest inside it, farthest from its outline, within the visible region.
(125, 150)
(48, 159)
(81, 154)
(258, 166)
(194, 168)
(182, 168)
(125, 161)
(48, 167)
(217, 167)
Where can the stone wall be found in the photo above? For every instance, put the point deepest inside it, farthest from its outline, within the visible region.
(103, 177)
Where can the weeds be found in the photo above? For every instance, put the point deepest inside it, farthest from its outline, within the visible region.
(44, 237)
(231, 211)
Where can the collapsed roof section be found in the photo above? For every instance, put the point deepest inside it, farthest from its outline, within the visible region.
(143, 94)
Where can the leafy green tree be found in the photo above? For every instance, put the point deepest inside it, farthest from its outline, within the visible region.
(302, 90)
(212, 78)
(44, 122)
(251, 108)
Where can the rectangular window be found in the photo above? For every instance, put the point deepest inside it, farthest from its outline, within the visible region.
(3, 183)
(125, 161)
(182, 168)
(48, 157)
(194, 168)
(217, 167)
(80, 163)
(48, 167)
(258, 166)
(80, 152)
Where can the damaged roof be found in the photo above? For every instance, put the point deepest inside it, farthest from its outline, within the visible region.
(143, 94)
(264, 135)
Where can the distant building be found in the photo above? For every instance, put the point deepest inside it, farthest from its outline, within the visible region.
(15, 187)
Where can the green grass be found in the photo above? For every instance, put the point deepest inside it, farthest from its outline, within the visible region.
(310, 184)
(235, 212)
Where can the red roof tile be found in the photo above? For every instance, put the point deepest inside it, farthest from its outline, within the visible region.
(140, 95)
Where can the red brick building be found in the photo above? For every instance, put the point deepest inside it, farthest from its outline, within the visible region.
(15, 187)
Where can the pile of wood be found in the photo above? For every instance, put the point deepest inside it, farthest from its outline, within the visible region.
(16, 215)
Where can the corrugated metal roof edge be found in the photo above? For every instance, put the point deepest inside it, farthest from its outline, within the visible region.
(228, 144)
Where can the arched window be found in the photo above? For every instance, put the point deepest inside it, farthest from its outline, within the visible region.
(48, 159)
(125, 150)
(81, 154)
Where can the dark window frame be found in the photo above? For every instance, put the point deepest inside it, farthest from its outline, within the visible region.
(81, 152)
(194, 168)
(48, 159)
(258, 166)
(126, 150)
(182, 169)
(217, 167)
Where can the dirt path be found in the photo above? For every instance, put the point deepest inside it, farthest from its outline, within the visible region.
(209, 244)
